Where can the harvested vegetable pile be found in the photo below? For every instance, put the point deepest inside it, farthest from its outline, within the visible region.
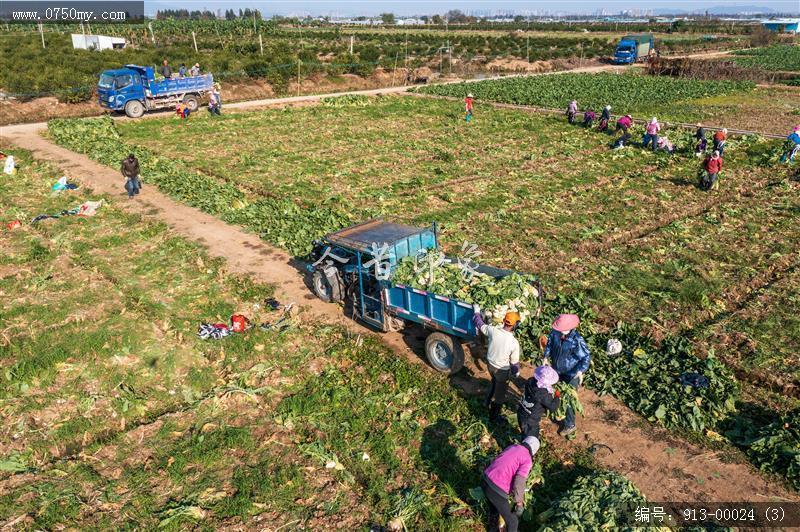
(624, 92)
(279, 221)
(348, 100)
(432, 271)
(569, 398)
(648, 379)
(593, 502)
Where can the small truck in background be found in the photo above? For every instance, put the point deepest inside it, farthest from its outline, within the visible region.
(633, 48)
(134, 89)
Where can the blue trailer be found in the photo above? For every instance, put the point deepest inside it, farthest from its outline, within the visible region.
(343, 272)
(633, 48)
(135, 89)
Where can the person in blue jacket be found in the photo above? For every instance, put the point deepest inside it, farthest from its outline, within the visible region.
(566, 351)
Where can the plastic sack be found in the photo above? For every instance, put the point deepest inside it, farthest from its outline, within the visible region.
(61, 184)
(9, 167)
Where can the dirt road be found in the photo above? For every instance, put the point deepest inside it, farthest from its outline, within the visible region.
(662, 466)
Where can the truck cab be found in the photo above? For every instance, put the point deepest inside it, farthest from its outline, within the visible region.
(118, 87)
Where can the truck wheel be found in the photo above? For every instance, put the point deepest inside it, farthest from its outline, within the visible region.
(326, 290)
(444, 353)
(191, 102)
(134, 109)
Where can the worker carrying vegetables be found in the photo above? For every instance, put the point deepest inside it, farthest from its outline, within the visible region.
(502, 357)
(537, 397)
(468, 104)
(566, 351)
(572, 110)
(508, 475)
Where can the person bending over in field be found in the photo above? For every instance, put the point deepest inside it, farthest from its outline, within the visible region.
(702, 143)
(572, 110)
(712, 166)
(664, 144)
(537, 398)
(588, 118)
(623, 125)
(469, 102)
(567, 352)
(507, 475)
(502, 356)
(605, 119)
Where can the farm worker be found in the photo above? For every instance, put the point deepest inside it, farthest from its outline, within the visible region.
(712, 166)
(507, 475)
(792, 145)
(605, 118)
(182, 110)
(195, 71)
(468, 104)
(166, 70)
(651, 133)
(214, 102)
(720, 137)
(665, 145)
(572, 110)
(502, 356)
(537, 397)
(588, 117)
(702, 143)
(624, 123)
(130, 170)
(182, 71)
(567, 352)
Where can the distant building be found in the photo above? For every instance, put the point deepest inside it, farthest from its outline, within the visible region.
(787, 25)
(410, 22)
(97, 42)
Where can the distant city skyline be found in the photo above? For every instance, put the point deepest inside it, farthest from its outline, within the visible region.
(350, 8)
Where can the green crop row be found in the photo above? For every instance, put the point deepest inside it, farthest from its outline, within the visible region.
(624, 92)
(279, 221)
(778, 57)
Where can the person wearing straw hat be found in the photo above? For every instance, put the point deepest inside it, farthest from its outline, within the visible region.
(468, 104)
(195, 71)
(507, 476)
(566, 351)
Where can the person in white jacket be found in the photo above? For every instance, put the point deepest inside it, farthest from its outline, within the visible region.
(502, 356)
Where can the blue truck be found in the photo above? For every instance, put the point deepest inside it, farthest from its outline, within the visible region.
(134, 89)
(633, 48)
(343, 272)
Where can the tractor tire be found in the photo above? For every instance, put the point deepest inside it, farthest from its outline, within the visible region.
(191, 102)
(444, 353)
(330, 292)
(134, 109)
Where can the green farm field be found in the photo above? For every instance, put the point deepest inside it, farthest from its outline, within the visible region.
(115, 415)
(628, 227)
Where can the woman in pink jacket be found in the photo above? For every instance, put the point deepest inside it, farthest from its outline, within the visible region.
(508, 475)
(651, 133)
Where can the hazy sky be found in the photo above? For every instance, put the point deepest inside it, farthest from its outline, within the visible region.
(416, 7)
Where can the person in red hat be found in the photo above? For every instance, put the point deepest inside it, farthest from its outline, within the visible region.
(566, 351)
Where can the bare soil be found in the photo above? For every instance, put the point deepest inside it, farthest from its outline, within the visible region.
(661, 465)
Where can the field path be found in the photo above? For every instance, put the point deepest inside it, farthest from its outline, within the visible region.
(663, 466)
